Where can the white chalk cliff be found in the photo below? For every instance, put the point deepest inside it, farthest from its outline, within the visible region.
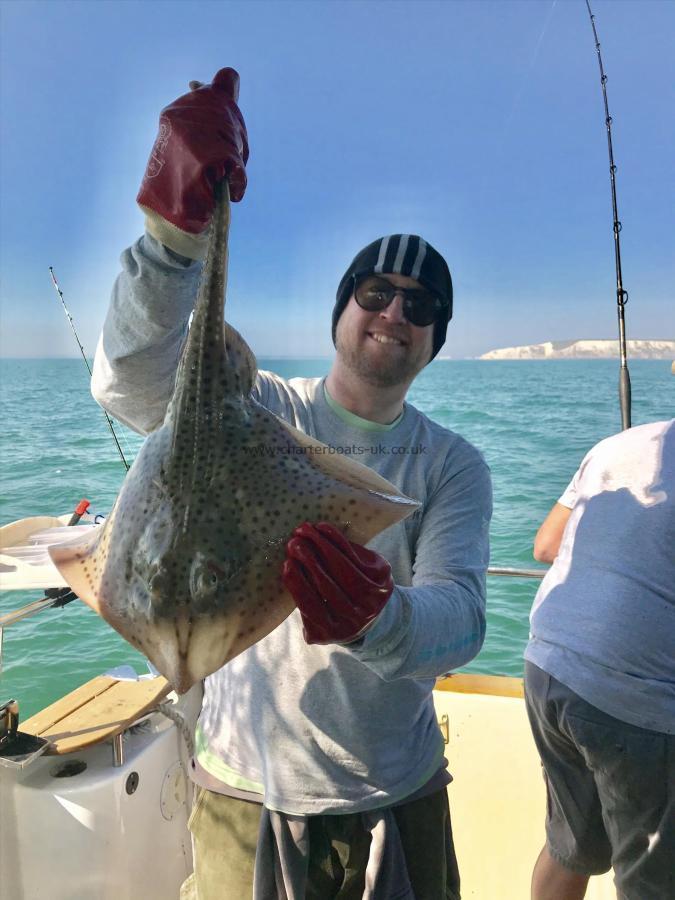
(586, 349)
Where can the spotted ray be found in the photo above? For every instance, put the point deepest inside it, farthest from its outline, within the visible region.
(188, 565)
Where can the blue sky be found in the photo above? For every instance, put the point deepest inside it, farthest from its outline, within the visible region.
(477, 124)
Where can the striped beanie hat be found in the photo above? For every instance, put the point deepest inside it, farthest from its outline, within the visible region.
(402, 254)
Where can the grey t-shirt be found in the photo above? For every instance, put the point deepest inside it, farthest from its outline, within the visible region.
(603, 620)
(324, 728)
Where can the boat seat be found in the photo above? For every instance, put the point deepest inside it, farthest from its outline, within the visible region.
(97, 711)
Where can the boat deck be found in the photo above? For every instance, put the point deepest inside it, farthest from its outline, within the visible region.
(497, 798)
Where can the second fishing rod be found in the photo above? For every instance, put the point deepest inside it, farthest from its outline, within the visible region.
(621, 293)
(86, 362)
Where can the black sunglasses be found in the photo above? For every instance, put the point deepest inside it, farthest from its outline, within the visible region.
(420, 307)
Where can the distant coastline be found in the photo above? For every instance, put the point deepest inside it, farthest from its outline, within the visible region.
(581, 349)
(586, 349)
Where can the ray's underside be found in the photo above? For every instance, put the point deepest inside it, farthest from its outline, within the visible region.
(188, 565)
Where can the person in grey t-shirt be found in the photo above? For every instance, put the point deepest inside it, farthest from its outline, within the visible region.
(600, 671)
(329, 720)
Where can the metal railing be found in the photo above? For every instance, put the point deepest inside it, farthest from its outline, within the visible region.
(516, 573)
(37, 606)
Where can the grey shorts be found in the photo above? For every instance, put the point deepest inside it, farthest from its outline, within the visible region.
(610, 790)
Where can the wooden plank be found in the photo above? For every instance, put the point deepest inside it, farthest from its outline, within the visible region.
(99, 710)
(497, 685)
(106, 715)
(48, 717)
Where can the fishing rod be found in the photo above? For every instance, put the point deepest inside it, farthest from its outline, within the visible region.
(621, 294)
(86, 362)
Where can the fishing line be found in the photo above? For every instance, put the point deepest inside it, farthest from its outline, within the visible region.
(525, 79)
(621, 294)
(86, 362)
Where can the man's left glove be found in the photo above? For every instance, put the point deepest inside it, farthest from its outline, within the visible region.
(202, 139)
(339, 587)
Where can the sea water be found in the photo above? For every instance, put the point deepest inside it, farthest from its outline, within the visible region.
(533, 421)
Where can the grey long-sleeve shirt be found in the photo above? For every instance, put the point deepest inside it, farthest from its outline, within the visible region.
(323, 728)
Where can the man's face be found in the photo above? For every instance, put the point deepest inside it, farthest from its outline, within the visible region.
(382, 347)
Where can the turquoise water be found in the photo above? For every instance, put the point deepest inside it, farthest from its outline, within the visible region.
(533, 421)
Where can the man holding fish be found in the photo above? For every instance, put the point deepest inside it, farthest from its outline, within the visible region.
(318, 757)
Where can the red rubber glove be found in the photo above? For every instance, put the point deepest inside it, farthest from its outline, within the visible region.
(202, 139)
(339, 587)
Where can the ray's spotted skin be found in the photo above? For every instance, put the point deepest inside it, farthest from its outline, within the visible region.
(188, 565)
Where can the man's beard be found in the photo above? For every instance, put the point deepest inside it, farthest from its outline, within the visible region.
(380, 373)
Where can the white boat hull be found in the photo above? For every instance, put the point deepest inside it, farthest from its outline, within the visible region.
(85, 837)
